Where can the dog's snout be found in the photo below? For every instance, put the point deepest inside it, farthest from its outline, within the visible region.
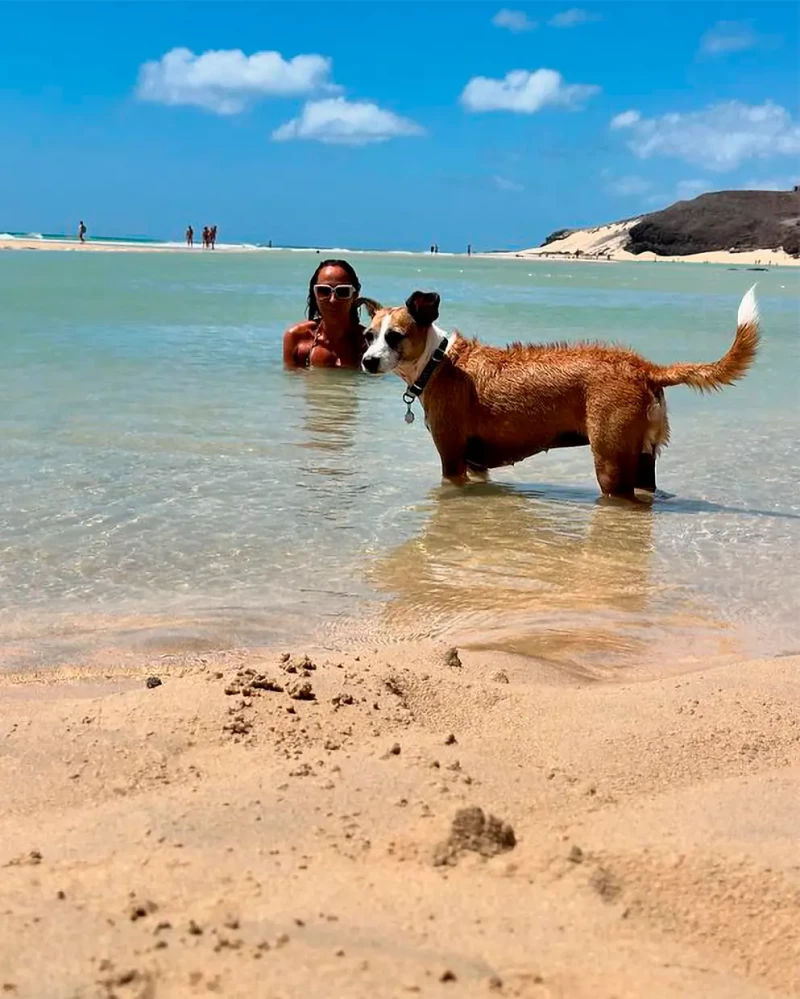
(370, 365)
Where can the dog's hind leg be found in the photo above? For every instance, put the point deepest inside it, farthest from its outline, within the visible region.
(617, 440)
(656, 435)
(616, 474)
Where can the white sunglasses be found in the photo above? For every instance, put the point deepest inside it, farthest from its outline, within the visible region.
(340, 291)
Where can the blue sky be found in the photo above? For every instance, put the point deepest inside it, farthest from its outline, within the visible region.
(387, 124)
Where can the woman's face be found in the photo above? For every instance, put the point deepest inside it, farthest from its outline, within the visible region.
(334, 291)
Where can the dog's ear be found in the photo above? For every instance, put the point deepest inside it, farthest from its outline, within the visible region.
(423, 307)
(369, 304)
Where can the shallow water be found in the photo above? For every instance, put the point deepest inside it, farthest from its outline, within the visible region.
(166, 485)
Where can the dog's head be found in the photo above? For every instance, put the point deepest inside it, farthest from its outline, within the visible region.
(399, 336)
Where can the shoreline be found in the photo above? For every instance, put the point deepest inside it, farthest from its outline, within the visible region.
(600, 245)
(245, 771)
(213, 833)
(766, 260)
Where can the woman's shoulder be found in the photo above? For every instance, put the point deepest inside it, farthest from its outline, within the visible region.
(294, 338)
(303, 328)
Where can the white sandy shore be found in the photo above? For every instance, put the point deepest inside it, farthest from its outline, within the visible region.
(8, 242)
(598, 244)
(107, 246)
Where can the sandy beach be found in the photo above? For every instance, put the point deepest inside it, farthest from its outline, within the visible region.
(290, 825)
(101, 246)
(598, 244)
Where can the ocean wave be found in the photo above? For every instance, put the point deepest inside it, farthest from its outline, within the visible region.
(174, 244)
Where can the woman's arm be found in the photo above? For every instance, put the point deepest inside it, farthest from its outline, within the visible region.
(292, 338)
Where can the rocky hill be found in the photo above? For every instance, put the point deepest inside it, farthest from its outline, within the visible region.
(737, 221)
(724, 220)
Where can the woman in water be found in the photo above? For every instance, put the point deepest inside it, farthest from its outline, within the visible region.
(332, 336)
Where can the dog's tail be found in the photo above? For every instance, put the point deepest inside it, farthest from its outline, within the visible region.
(730, 368)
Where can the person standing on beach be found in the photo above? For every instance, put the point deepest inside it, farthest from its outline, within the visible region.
(82, 231)
(332, 336)
(212, 237)
(205, 237)
(189, 236)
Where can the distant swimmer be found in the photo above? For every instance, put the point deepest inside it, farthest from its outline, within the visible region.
(189, 236)
(82, 231)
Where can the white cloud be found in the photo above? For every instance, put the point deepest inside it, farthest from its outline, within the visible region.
(504, 184)
(658, 202)
(572, 17)
(227, 81)
(773, 184)
(728, 36)
(685, 190)
(719, 137)
(524, 92)
(635, 186)
(515, 21)
(630, 186)
(626, 119)
(342, 122)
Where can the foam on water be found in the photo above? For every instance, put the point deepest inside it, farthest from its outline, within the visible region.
(167, 485)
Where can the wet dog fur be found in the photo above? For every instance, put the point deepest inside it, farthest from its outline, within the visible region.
(487, 406)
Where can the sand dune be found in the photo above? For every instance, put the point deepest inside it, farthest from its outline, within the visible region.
(607, 242)
(213, 836)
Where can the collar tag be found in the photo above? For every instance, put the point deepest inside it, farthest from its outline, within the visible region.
(408, 399)
(415, 391)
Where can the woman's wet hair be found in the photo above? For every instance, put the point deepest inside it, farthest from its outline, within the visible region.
(312, 308)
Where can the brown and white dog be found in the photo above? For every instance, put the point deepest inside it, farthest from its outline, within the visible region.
(487, 407)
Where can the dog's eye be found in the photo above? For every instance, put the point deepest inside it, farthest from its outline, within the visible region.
(393, 339)
(369, 335)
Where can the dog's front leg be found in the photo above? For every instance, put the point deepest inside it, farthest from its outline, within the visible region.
(451, 474)
(451, 445)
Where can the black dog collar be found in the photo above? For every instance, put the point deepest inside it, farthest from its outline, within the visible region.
(415, 391)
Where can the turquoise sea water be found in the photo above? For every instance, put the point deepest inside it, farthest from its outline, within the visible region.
(71, 237)
(167, 485)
